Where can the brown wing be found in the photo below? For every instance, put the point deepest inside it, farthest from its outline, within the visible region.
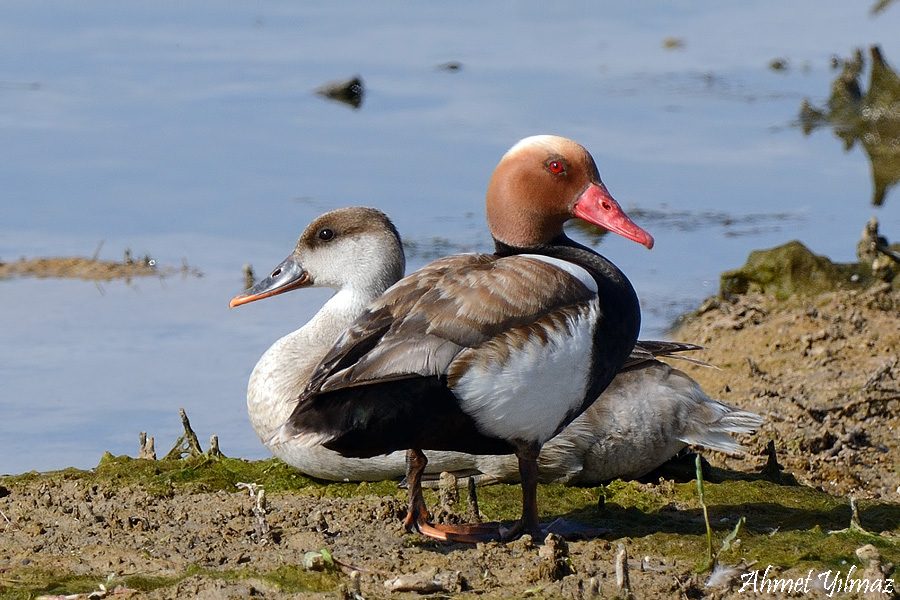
(425, 320)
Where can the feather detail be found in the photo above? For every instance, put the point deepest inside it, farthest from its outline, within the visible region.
(421, 324)
(301, 439)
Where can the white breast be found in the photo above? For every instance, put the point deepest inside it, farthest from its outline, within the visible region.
(530, 392)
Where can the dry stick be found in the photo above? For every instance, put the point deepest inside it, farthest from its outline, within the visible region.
(448, 492)
(855, 524)
(147, 450)
(214, 451)
(710, 559)
(885, 370)
(187, 443)
(5, 518)
(97, 251)
(263, 533)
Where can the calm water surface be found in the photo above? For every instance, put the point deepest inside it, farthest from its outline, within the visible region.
(191, 133)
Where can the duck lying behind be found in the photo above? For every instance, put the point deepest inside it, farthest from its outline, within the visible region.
(648, 414)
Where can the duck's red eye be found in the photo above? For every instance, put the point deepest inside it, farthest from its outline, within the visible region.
(556, 167)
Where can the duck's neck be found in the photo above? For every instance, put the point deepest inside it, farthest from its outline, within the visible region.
(613, 286)
(284, 370)
(340, 310)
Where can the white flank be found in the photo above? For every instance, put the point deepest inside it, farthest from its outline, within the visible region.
(528, 396)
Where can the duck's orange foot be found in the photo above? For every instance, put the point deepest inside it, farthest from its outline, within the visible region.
(466, 533)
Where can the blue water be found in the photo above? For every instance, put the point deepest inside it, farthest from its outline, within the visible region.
(191, 132)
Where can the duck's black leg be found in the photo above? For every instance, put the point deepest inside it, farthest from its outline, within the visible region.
(527, 453)
(417, 512)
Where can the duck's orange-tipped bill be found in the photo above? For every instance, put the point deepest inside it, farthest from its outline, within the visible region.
(287, 276)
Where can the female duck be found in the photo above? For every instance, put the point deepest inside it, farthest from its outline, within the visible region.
(357, 252)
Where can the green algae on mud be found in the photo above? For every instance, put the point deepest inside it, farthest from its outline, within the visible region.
(201, 474)
(22, 583)
(786, 525)
(793, 270)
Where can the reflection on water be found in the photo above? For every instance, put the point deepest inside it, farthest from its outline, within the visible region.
(672, 219)
(872, 118)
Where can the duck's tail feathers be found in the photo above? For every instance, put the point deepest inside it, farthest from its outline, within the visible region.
(721, 422)
(645, 350)
(305, 439)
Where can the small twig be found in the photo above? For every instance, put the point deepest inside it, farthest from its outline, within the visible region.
(878, 376)
(710, 560)
(623, 581)
(97, 251)
(870, 404)
(262, 531)
(353, 591)
(474, 514)
(755, 370)
(772, 470)
(448, 492)
(5, 518)
(855, 523)
(250, 487)
(214, 451)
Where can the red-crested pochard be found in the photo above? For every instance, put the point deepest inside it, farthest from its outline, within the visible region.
(486, 354)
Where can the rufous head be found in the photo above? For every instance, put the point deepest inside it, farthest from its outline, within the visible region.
(542, 182)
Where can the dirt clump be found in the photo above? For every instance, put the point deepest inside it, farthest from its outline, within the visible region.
(823, 372)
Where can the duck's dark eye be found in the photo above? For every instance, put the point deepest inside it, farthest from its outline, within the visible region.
(556, 167)
(325, 234)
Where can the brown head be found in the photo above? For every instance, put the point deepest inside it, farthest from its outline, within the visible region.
(542, 182)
